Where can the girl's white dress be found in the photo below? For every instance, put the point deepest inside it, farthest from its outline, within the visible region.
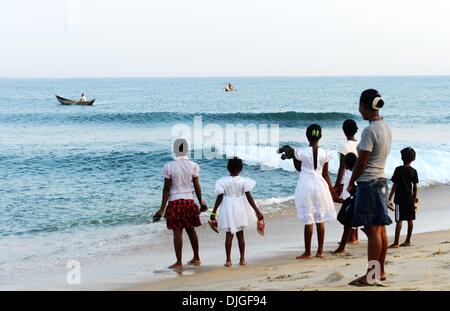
(313, 199)
(235, 213)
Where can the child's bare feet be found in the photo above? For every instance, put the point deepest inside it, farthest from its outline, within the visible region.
(393, 245)
(304, 256)
(176, 266)
(339, 250)
(354, 242)
(194, 262)
(242, 262)
(320, 255)
(405, 244)
(228, 264)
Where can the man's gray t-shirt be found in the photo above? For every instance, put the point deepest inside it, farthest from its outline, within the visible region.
(376, 138)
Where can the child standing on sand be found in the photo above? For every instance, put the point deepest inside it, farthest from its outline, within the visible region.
(405, 181)
(314, 193)
(345, 213)
(181, 179)
(349, 127)
(237, 207)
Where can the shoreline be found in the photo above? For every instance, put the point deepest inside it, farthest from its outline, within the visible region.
(141, 262)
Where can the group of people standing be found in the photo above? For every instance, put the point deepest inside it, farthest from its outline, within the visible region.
(361, 187)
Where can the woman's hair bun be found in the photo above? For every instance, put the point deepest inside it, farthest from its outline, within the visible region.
(380, 103)
(371, 98)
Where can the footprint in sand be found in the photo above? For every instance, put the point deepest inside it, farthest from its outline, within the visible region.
(279, 277)
(445, 242)
(309, 271)
(287, 277)
(333, 277)
(342, 255)
(439, 252)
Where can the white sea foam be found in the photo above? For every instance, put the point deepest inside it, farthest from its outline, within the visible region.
(432, 165)
(273, 201)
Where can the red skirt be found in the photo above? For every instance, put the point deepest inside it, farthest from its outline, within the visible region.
(182, 214)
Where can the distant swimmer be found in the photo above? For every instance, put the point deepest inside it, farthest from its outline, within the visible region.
(229, 87)
(83, 98)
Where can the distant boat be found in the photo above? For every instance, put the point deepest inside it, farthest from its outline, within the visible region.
(65, 101)
(229, 87)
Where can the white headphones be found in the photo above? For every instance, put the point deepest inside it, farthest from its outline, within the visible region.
(375, 103)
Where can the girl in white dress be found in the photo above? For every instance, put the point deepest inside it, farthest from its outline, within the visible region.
(314, 194)
(238, 210)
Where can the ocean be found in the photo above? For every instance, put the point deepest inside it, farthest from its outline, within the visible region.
(83, 182)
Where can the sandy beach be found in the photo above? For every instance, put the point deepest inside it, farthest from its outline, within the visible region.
(423, 266)
(271, 258)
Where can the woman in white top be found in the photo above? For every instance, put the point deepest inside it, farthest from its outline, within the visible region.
(349, 128)
(180, 181)
(238, 210)
(314, 194)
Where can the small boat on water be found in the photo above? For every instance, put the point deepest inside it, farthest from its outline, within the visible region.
(65, 101)
(229, 87)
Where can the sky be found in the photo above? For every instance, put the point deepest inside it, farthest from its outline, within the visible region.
(166, 38)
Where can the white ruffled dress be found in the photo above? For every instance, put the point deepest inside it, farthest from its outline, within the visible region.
(235, 212)
(313, 199)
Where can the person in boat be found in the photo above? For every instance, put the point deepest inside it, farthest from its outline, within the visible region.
(83, 98)
(229, 87)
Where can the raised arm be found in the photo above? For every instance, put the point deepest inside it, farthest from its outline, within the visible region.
(198, 193)
(249, 196)
(289, 153)
(360, 167)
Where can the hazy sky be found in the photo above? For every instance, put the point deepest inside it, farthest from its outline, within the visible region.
(223, 38)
